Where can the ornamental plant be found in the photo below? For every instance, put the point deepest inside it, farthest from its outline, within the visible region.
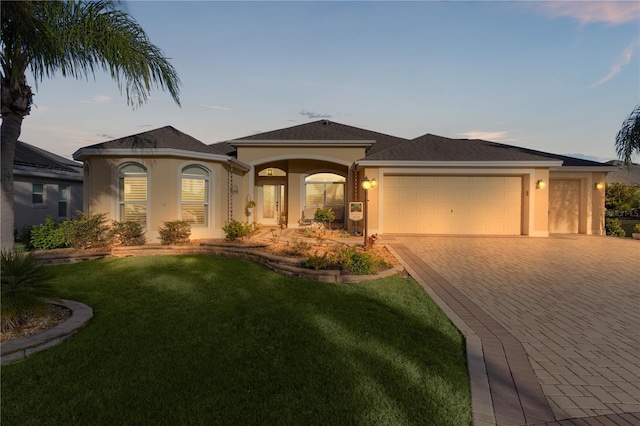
(175, 232)
(25, 288)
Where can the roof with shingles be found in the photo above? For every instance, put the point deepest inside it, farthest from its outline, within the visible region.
(163, 138)
(438, 148)
(626, 174)
(325, 130)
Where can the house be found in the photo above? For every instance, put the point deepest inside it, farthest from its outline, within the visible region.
(427, 185)
(624, 174)
(45, 184)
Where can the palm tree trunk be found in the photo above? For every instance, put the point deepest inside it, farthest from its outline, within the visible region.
(11, 128)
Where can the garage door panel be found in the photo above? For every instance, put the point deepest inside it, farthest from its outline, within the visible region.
(453, 205)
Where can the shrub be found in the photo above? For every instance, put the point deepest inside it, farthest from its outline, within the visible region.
(620, 197)
(236, 229)
(25, 288)
(298, 248)
(614, 227)
(636, 229)
(127, 233)
(88, 230)
(49, 235)
(175, 232)
(23, 237)
(324, 215)
(318, 262)
(354, 261)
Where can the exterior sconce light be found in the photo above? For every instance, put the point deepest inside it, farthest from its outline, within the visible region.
(541, 184)
(269, 171)
(599, 185)
(367, 185)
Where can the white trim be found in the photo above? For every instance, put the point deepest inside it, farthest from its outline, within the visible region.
(482, 164)
(590, 169)
(147, 152)
(301, 157)
(210, 192)
(115, 187)
(311, 142)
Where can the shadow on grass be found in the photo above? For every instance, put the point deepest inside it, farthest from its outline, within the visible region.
(211, 340)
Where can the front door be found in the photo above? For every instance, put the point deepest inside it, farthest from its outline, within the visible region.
(271, 199)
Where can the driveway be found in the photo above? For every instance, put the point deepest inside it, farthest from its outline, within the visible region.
(552, 324)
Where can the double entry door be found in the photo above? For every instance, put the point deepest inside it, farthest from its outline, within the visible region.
(271, 201)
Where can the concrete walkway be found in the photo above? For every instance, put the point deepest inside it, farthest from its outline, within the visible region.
(552, 324)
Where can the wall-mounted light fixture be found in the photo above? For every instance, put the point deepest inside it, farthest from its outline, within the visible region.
(269, 171)
(541, 184)
(599, 185)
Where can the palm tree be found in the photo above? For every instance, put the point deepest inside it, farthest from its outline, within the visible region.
(628, 138)
(72, 38)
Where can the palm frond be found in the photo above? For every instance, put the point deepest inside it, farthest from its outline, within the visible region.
(628, 137)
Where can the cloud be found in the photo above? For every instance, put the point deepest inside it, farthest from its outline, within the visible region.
(311, 114)
(489, 136)
(214, 107)
(98, 99)
(624, 59)
(105, 136)
(588, 12)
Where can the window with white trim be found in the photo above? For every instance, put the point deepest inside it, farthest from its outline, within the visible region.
(132, 183)
(194, 197)
(63, 201)
(37, 194)
(324, 190)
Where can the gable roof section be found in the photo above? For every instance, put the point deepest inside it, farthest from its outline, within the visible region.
(30, 160)
(320, 131)
(433, 148)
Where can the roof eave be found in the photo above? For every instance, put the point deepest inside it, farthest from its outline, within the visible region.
(584, 169)
(410, 163)
(301, 143)
(84, 153)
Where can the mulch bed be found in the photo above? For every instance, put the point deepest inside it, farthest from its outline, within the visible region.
(35, 324)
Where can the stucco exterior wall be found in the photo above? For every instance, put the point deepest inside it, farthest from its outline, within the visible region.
(163, 189)
(591, 210)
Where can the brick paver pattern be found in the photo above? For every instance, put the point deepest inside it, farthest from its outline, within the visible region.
(573, 302)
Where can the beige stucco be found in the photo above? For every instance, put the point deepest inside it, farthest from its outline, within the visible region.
(163, 186)
(298, 162)
(588, 206)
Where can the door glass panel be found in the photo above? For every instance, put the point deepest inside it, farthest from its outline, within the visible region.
(268, 201)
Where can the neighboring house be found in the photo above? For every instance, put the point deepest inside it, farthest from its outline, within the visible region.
(428, 185)
(45, 184)
(628, 175)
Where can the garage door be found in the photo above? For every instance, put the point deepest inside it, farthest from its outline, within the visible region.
(564, 206)
(452, 205)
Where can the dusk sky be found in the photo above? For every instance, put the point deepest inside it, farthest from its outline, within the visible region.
(559, 77)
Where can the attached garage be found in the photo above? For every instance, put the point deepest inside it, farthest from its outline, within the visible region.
(420, 204)
(565, 197)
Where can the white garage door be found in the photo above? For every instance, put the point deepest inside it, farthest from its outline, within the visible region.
(452, 205)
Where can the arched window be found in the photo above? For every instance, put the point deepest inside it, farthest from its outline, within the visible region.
(324, 190)
(132, 184)
(195, 195)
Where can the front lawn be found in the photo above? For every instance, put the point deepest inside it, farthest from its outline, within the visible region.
(213, 340)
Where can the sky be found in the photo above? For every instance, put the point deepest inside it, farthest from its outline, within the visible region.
(558, 77)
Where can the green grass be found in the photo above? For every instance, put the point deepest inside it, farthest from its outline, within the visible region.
(212, 340)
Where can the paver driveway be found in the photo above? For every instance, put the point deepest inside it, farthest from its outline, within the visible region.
(571, 302)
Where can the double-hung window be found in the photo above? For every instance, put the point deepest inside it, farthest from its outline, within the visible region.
(194, 196)
(37, 194)
(63, 201)
(132, 181)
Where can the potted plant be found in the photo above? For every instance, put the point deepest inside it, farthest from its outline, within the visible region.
(636, 232)
(250, 204)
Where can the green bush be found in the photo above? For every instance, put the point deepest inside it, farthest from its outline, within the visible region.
(324, 215)
(297, 248)
(88, 230)
(175, 232)
(318, 262)
(25, 288)
(354, 261)
(23, 237)
(49, 235)
(236, 229)
(614, 227)
(636, 229)
(127, 233)
(620, 197)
